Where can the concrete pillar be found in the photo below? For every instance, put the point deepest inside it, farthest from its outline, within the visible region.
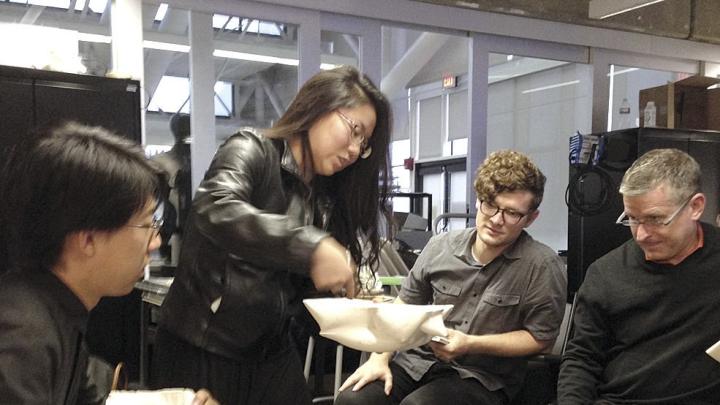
(478, 65)
(127, 47)
(202, 82)
(308, 49)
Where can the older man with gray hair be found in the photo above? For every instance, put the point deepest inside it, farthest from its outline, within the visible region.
(648, 310)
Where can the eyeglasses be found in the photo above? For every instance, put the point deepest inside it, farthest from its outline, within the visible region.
(356, 137)
(510, 216)
(653, 220)
(155, 225)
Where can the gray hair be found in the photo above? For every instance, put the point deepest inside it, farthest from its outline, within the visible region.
(671, 167)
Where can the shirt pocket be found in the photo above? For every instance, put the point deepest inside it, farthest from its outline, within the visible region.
(445, 292)
(500, 312)
(501, 299)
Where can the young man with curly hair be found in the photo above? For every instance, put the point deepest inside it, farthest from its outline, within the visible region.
(508, 292)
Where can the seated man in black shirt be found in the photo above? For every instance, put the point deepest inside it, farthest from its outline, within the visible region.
(78, 210)
(648, 310)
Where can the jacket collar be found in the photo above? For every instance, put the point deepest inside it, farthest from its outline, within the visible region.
(287, 161)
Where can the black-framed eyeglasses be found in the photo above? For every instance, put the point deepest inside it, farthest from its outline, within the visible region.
(155, 225)
(356, 137)
(651, 221)
(510, 216)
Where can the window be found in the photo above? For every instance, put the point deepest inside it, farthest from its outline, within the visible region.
(173, 95)
(229, 23)
(400, 175)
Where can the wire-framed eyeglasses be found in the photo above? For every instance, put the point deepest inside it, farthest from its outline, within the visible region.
(356, 137)
(155, 225)
(653, 220)
(510, 216)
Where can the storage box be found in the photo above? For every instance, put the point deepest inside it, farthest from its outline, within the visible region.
(686, 104)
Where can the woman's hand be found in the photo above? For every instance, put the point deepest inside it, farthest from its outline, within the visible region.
(203, 397)
(332, 269)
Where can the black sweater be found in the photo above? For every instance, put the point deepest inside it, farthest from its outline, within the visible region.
(642, 328)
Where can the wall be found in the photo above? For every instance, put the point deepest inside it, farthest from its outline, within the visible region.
(539, 124)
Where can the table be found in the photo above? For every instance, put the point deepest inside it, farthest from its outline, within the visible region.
(154, 290)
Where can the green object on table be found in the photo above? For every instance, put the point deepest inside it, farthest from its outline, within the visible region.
(391, 280)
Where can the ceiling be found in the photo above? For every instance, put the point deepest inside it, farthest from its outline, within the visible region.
(695, 20)
(265, 88)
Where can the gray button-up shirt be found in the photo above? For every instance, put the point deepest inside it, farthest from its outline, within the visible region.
(524, 288)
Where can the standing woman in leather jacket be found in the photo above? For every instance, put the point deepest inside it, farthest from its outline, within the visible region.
(278, 210)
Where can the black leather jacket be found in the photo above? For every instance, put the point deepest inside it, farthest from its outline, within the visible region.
(246, 250)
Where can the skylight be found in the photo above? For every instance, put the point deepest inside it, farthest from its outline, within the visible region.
(228, 23)
(96, 6)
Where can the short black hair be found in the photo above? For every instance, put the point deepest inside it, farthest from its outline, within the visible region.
(69, 179)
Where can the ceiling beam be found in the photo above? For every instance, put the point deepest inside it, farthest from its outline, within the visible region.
(32, 14)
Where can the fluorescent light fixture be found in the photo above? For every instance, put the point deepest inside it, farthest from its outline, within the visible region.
(161, 11)
(467, 4)
(220, 53)
(600, 9)
(166, 46)
(610, 98)
(620, 72)
(510, 57)
(85, 37)
(328, 66)
(552, 86)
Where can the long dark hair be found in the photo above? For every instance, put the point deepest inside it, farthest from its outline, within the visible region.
(69, 179)
(358, 193)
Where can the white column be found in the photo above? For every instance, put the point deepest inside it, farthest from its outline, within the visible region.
(371, 52)
(127, 36)
(202, 82)
(601, 89)
(127, 46)
(308, 48)
(478, 65)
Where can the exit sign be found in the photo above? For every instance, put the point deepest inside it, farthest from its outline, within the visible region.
(449, 81)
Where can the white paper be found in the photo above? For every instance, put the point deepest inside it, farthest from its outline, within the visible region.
(714, 351)
(170, 396)
(377, 327)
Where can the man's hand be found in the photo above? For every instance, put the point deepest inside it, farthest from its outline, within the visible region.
(332, 269)
(458, 346)
(376, 368)
(203, 397)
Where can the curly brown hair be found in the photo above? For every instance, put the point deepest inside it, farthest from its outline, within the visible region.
(507, 171)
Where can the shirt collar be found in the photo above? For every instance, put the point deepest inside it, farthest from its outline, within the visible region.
(63, 296)
(462, 246)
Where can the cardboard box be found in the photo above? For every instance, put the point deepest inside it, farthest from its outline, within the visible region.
(686, 104)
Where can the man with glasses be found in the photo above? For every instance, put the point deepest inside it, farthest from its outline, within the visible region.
(508, 293)
(648, 310)
(78, 209)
